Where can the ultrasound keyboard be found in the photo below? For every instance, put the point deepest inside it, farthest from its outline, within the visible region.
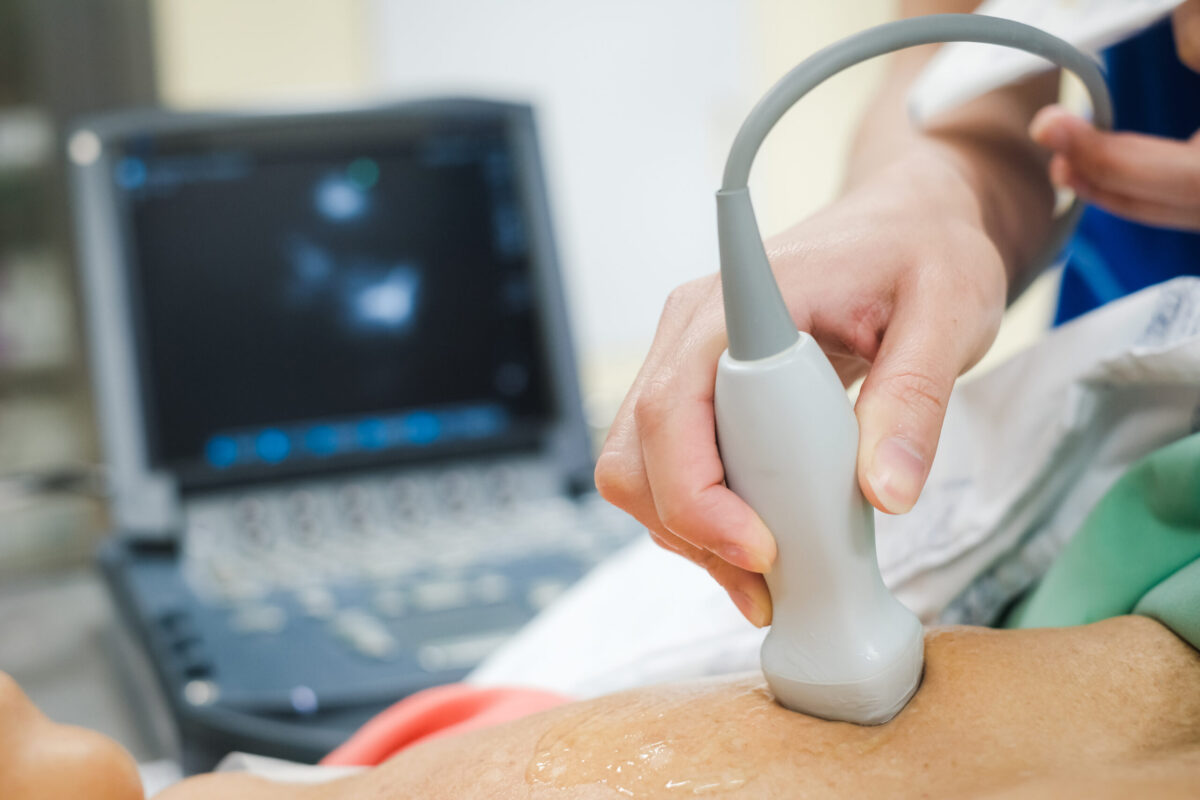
(425, 573)
(354, 593)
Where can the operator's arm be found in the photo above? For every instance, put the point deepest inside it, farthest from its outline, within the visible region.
(986, 139)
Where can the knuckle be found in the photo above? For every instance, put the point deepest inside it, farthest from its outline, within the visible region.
(675, 302)
(682, 297)
(615, 480)
(652, 408)
(981, 289)
(866, 323)
(918, 391)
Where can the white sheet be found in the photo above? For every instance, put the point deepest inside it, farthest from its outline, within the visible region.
(963, 71)
(1027, 449)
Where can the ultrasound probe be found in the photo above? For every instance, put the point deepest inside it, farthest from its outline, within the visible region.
(841, 646)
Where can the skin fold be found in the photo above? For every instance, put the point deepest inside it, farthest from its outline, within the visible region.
(1110, 709)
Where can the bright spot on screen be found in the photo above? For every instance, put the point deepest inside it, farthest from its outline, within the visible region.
(311, 270)
(387, 303)
(421, 427)
(304, 700)
(339, 199)
(321, 440)
(273, 446)
(372, 434)
(221, 451)
(130, 172)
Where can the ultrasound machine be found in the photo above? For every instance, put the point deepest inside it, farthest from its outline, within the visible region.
(339, 406)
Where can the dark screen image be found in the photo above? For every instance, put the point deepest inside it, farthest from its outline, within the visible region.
(303, 300)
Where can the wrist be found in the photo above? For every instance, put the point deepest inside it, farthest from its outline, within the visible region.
(1013, 198)
(934, 182)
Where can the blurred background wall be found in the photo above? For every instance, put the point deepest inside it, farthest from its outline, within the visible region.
(58, 59)
(637, 102)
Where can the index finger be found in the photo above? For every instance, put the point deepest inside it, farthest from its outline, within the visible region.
(677, 428)
(1135, 164)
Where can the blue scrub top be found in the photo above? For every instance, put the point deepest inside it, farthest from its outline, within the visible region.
(1153, 92)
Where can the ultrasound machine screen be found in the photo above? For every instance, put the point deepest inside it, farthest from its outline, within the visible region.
(308, 297)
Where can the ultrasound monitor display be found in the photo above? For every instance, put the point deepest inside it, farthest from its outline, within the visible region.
(307, 294)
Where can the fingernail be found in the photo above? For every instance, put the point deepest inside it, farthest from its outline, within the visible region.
(896, 475)
(750, 609)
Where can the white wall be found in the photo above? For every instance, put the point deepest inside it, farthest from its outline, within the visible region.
(226, 53)
(637, 102)
(802, 162)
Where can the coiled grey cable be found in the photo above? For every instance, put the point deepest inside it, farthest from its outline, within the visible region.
(753, 302)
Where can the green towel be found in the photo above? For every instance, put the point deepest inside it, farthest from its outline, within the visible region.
(1137, 552)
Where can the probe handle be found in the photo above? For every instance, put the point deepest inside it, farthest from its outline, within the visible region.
(841, 646)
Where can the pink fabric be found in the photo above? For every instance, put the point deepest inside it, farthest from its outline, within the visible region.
(434, 713)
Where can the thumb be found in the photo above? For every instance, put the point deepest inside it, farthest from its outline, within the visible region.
(900, 411)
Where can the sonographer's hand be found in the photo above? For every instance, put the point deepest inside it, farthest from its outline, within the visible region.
(897, 280)
(1144, 178)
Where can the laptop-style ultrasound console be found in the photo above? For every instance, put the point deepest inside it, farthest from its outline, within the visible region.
(339, 406)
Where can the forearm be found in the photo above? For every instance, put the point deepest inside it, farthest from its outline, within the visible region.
(984, 143)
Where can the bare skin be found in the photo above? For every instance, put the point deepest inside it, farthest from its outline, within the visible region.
(1105, 710)
(997, 710)
(41, 760)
